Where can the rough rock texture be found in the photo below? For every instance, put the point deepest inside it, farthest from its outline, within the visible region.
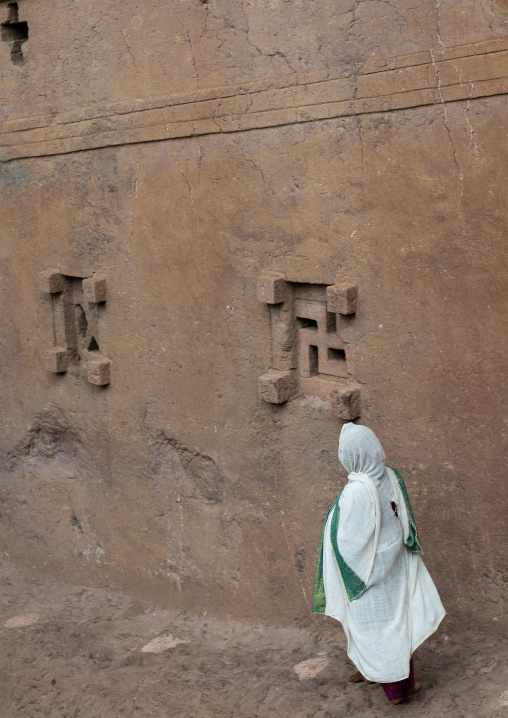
(180, 151)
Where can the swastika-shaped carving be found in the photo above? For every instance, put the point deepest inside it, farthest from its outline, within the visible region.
(320, 348)
(308, 350)
(75, 305)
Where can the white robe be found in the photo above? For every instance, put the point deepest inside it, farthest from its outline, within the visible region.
(400, 607)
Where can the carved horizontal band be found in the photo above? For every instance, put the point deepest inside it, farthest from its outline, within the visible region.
(464, 72)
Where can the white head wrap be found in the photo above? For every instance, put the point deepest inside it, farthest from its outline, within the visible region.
(360, 452)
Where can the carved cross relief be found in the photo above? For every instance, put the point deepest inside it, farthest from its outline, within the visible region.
(76, 303)
(307, 342)
(320, 348)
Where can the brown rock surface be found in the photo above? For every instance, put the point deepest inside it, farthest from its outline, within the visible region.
(182, 150)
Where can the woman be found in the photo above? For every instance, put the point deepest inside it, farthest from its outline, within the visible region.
(370, 576)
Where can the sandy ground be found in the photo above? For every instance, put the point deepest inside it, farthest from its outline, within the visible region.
(82, 655)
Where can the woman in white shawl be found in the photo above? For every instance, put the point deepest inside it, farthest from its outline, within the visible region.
(370, 576)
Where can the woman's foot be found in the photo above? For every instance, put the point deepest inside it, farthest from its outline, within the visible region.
(358, 678)
(416, 688)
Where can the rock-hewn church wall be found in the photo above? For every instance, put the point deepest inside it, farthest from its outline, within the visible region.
(166, 167)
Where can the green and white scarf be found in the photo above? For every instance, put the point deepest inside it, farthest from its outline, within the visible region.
(353, 584)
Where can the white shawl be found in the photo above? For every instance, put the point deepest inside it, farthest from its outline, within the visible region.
(400, 607)
(361, 454)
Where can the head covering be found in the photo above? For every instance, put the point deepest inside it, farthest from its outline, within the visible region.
(360, 452)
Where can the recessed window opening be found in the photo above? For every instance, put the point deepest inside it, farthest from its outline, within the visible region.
(88, 342)
(331, 323)
(81, 322)
(14, 33)
(313, 360)
(305, 323)
(336, 354)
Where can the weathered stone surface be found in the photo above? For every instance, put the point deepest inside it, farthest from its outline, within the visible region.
(345, 403)
(277, 387)
(342, 298)
(94, 289)
(51, 281)
(283, 335)
(385, 82)
(182, 150)
(99, 371)
(57, 360)
(272, 289)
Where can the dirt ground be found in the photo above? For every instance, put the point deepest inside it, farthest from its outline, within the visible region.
(82, 655)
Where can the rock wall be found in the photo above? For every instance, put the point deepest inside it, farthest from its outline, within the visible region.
(177, 153)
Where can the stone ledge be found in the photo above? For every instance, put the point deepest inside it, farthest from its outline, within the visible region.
(57, 360)
(345, 403)
(51, 281)
(342, 298)
(94, 289)
(99, 371)
(272, 288)
(277, 387)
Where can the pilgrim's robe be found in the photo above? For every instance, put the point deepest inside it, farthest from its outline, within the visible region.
(397, 606)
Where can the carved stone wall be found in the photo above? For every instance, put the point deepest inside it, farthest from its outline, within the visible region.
(176, 436)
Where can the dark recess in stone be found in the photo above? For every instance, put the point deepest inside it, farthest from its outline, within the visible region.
(14, 33)
(336, 354)
(307, 323)
(331, 322)
(313, 360)
(92, 345)
(81, 321)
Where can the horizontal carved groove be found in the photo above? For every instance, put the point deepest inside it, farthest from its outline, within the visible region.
(398, 83)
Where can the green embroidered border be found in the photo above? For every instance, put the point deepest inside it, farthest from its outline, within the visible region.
(413, 542)
(352, 582)
(319, 603)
